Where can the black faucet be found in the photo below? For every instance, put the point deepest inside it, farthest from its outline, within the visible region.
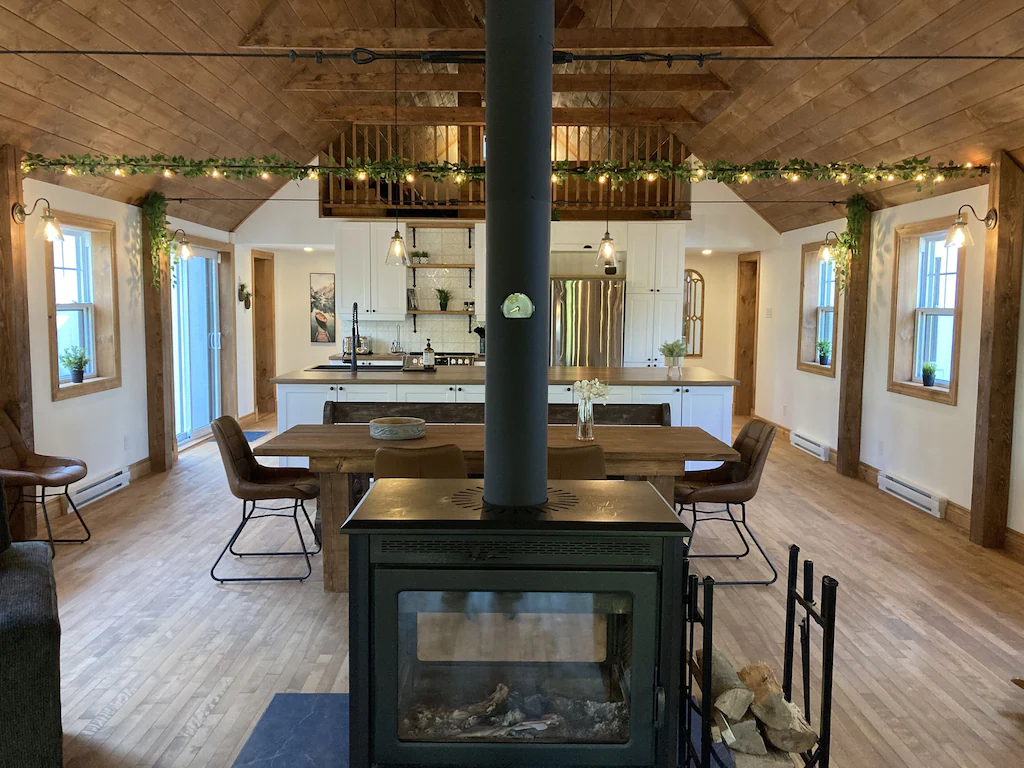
(355, 335)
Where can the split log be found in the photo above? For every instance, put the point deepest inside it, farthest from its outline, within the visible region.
(785, 725)
(773, 759)
(729, 694)
(746, 737)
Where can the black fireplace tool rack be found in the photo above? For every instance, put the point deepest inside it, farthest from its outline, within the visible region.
(699, 612)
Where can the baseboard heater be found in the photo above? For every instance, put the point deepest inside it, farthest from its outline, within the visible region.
(924, 500)
(806, 444)
(115, 481)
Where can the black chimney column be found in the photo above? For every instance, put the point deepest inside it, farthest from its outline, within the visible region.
(520, 41)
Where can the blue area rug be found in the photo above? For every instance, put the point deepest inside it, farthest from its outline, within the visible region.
(253, 436)
(299, 729)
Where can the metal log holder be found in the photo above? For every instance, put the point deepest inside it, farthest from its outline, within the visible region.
(699, 612)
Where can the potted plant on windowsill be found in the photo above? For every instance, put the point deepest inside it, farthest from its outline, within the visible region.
(75, 360)
(674, 352)
(928, 374)
(824, 352)
(443, 297)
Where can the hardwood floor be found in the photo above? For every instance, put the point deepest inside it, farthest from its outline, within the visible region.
(163, 667)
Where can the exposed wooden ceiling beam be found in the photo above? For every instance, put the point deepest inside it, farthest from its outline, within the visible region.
(439, 38)
(384, 115)
(470, 83)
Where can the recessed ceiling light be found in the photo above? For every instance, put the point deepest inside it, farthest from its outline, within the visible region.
(707, 251)
(307, 249)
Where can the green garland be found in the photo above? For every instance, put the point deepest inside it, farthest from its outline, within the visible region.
(847, 248)
(154, 211)
(396, 169)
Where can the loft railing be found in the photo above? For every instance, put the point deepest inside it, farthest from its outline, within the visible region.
(575, 199)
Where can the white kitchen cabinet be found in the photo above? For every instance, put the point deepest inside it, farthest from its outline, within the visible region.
(671, 258)
(480, 273)
(709, 408)
(469, 393)
(642, 257)
(362, 275)
(657, 395)
(578, 235)
(639, 330)
(367, 393)
(560, 393)
(301, 404)
(620, 395)
(426, 393)
(667, 322)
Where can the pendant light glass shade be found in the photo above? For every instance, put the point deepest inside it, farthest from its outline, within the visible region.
(183, 247)
(397, 256)
(606, 252)
(49, 228)
(185, 250)
(825, 252)
(959, 235)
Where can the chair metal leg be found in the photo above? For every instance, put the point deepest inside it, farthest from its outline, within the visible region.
(41, 500)
(247, 516)
(737, 525)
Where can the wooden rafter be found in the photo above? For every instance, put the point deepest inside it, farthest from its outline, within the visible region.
(476, 115)
(474, 83)
(292, 37)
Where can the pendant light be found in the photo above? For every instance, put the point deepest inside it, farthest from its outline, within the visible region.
(397, 256)
(49, 227)
(827, 251)
(606, 251)
(959, 235)
(184, 246)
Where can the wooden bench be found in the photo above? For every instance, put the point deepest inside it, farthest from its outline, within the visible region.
(613, 414)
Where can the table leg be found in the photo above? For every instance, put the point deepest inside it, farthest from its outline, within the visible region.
(335, 506)
(666, 486)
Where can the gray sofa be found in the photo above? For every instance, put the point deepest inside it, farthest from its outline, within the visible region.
(30, 727)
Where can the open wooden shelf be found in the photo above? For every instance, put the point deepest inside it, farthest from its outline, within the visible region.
(441, 266)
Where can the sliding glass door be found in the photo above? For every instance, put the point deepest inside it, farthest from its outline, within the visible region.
(196, 345)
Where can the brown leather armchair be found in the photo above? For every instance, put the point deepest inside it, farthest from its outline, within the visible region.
(26, 470)
(735, 482)
(583, 462)
(441, 461)
(252, 482)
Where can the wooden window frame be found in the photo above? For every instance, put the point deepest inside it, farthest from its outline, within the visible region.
(686, 309)
(807, 327)
(106, 313)
(903, 305)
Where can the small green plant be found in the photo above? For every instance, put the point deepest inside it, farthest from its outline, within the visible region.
(928, 369)
(824, 348)
(74, 359)
(443, 297)
(675, 348)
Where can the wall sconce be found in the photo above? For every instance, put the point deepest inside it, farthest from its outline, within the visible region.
(184, 246)
(827, 250)
(959, 235)
(49, 227)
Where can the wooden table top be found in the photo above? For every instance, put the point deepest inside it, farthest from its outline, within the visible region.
(621, 444)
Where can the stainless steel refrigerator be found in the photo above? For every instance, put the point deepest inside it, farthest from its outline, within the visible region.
(587, 316)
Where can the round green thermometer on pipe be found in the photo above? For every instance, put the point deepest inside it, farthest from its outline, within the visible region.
(517, 306)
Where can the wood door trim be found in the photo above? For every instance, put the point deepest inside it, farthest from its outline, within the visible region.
(260, 255)
(755, 258)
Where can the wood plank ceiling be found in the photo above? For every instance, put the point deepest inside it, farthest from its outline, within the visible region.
(864, 111)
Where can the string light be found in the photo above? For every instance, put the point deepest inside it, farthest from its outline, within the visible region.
(168, 172)
(940, 178)
(602, 179)
(69, 171)
(700, 172)
(745, 177)
(554, 178)
(265, 176)
(459, 178)
(313, 174)
(919, 177)
(361, 175)
(844, 177)
(891, 177)
(410, 177)
(119, 172)
(215, 173)
(652, 177)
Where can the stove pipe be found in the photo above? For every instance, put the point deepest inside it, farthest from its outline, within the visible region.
(520, 41)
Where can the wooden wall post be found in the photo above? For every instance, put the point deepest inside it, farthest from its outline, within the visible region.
(15, 363)
(997, 374)
(163, 447)
(851, 374)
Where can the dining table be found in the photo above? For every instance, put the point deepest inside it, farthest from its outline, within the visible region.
(342, 455)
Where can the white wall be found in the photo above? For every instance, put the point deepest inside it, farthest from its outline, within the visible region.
(291, 308)
(108, 430)
(719, 271)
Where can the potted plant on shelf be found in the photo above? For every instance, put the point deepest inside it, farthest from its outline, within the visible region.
(75, 360)
(928, 374)
(674, 352)
(443, 297)
(824, 352)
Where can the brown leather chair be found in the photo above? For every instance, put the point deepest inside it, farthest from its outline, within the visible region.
(25, 470)
(735, 482)
(252, 482)
(442, 461)
(584, 462)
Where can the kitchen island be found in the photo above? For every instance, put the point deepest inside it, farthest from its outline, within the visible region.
(697, 398)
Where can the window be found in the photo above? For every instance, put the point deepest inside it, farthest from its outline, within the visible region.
(816, 343)
(82, 303)
(693, 313)
(925, 322)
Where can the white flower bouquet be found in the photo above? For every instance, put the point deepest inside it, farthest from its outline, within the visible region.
(591, 390)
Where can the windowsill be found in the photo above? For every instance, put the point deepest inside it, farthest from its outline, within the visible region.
(66, 390)
(936, 394)
(818, 369)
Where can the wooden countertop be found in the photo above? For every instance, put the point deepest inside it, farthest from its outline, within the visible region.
(692, 376)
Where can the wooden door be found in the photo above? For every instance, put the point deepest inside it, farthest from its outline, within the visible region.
(746, 334)
(264, 343)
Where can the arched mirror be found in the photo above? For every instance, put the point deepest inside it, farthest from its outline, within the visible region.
(693, 314)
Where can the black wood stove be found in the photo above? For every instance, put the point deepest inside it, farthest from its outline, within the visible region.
(498, 638)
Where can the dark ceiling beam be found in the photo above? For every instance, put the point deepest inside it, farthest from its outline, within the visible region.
(293, 37)
(474, 83)
(383, 115)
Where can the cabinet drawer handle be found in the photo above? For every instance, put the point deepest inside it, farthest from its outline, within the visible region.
(652, 290)
(332, 389)
(340, 389)
(686, 390)
(568, 389)
(451, 389)
(460, 389)
(677, 389)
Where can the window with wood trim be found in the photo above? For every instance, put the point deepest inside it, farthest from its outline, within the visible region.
(693, 313)
(816, 342)
(82, 307)
(925, 322)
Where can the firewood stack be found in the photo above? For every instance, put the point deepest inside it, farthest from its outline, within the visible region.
(752, 716)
